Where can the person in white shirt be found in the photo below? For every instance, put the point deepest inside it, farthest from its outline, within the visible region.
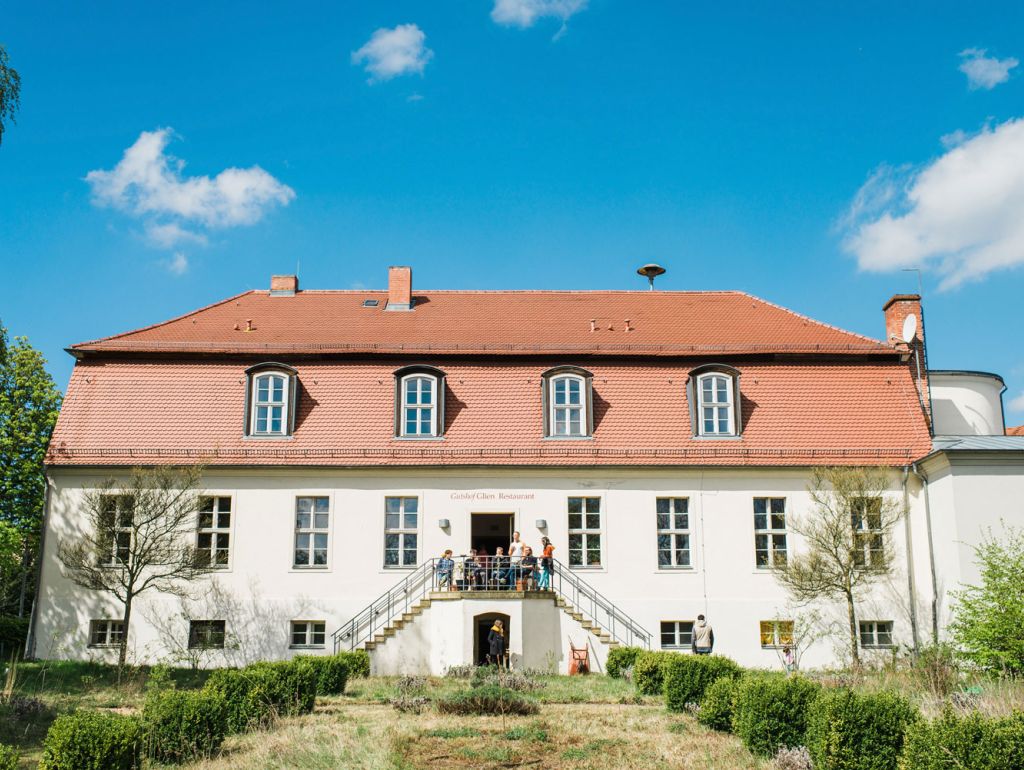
(515, 553)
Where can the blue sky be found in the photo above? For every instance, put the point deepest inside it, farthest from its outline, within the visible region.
(802, 153)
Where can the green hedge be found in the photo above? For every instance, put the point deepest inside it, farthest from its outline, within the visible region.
(770, 712)
(331, 672)
(259, 693)
(686, 677)
(648, 671)
(620, 659)
(358, 662)
(971, 742)
(716, 706)
(184, 726)
(92, 740)
(488, 699)
(851, 731)
(8, 757)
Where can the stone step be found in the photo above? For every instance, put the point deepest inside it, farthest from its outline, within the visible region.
(369, 646)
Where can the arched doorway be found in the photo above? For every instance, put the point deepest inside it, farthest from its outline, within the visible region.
(481, 628)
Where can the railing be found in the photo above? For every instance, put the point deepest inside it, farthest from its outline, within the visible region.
(489, 573)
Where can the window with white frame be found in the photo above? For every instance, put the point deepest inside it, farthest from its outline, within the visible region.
(676, 634)
(868, 539)
(213, 531)
(312, 531)
(105, 633)
(769, 531)
(270, 404)
(401, 531)
(308, 633)
(715, 407)
(568, 405)
(776, 633)
(875, 633)
(117, 514)
(673, 520)
(419, 405)
(584, 531)
(206, 634)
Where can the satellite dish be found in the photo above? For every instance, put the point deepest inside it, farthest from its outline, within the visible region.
(650, 272)
(909, 328)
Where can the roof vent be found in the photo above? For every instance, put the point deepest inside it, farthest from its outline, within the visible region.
(371, 302)
(650, 272)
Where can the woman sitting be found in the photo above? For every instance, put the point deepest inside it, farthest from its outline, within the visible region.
(528, 569)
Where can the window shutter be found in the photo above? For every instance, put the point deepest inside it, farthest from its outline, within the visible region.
(293, 401)
(691, 402)
(544, 387)
(589, 387)
(247, 418)
(737, 405)
(441, 380)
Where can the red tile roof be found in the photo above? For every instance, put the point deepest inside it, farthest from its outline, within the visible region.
(1017, 431)
(660, 323)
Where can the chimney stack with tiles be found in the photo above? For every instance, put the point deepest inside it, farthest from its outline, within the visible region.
(284, 285)
(399, 288)
(897, 310)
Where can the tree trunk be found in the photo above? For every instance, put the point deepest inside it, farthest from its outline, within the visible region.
(26, 566)
(122, 652)
(851, 614)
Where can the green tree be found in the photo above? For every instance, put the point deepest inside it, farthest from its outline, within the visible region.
(29, 404)
(10, 92)
(847, 540)
(988, 618)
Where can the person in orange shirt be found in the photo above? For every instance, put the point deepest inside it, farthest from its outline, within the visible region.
(547, 565)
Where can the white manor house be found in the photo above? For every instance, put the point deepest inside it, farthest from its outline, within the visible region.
(661, 440)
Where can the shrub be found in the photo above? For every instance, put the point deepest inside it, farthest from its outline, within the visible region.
(686, 677)
(770, 712)
(8, 757)
(358, 662)
(462, 671)
(489, 699)
(331, 672)
(971, 742)
(519, 681)
(716, 707)
(621, 658)
(257, 694)
(183, 726)
(797, 758)
(851, 731)
(647, 671)
(159, 679)
(92, 740)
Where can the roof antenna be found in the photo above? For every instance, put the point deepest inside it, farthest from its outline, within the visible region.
(650, 272)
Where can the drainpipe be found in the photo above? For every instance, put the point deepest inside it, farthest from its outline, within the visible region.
(911, 587)
(931, 552)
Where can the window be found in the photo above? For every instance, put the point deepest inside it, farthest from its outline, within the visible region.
(676, 634)
(673, 515)
(401, 528)
(776, 633)
(105, 633)
(117, 515)
(769, 531)
(876, 633)
(868, 541)
(585, 531)
(213, 526)
(308, 633)
(271, 396)
(715, 405)
(206, 635)
(419, 413)
(312, 524)
(568, 410)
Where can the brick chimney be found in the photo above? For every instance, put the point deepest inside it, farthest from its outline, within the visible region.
(399, 288)
(896, 310)
(284, 285)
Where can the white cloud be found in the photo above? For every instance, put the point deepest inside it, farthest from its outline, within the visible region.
(962, 214)
(178, 264)
(393, 52)
(170, 234)
(148, 183)
(1017, 404)
(985, 71)
(954, 138)
(524, 13)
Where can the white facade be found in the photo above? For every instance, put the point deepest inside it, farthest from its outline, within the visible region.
(967, 403)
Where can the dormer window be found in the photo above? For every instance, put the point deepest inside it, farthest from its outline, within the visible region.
(568, 410)
(419, 399)
(271, 399)
(714, 396)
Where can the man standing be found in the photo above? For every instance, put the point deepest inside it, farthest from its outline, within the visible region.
(703, 637)
(515, 552)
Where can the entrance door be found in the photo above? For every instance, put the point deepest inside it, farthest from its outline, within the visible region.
(481, 630)
(491, 530)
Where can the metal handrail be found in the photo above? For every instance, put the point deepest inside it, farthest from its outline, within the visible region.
(487, 573)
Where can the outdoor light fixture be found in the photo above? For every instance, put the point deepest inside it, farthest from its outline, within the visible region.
(443, 523)
(541, 523)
